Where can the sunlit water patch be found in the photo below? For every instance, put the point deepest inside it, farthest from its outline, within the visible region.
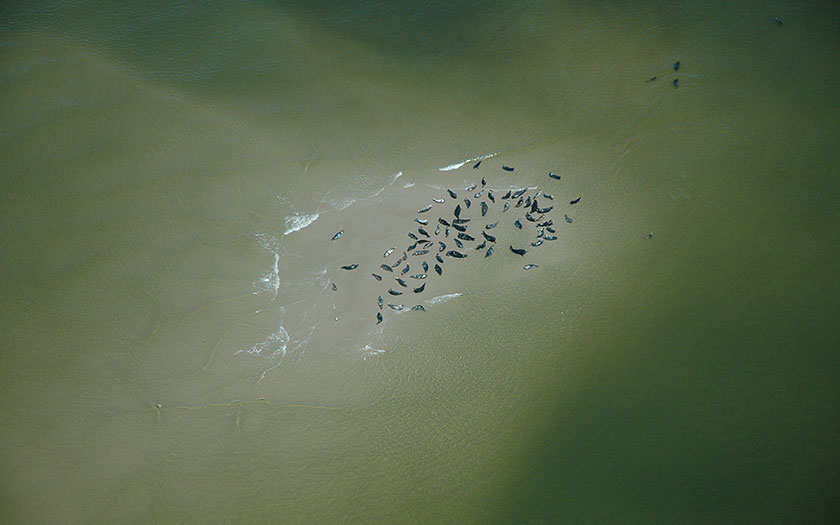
(347, 268)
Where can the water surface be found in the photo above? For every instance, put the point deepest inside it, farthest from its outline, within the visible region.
(172, 174)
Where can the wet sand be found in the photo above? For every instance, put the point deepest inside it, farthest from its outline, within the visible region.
(318, 320)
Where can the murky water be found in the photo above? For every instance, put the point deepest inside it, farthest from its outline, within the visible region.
(172, 176)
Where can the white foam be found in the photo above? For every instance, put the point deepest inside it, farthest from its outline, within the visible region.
(299, 221)
(443, 298)
(459, 164)
(369, 351)
(276, 341)
(270, 281)
(383, 188)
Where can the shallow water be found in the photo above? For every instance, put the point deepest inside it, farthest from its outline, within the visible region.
(171, 178)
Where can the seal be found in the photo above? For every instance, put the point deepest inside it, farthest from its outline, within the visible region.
(676, 82)
(545, 210)
(676, 65)
(491, 197)
(439, 201)
(388, 252)
(468, 203)
(378, 317)
(460, 221)
(519, 193)
(491, 226)
(458, 243)
(402, 283)
(334, 287)
(483, 182)
(439, 258)
(483, 208)
(395, 306)
(459, 227)
(517, 224)
(442, 246)
(529, 266)
(568, 219)
(438, 269)
(507, 207)
(518, 251)
(488, 236)
(377, 277)
(506, 167)
(476, 165)
(466, 237)
(405, 270)
(420, 288)
(380, 302)
(481, 246)
(410, 247)
(443, 221)
(424, 222)
(424, 210)
(537, 243)
(574, 201)
(506, 195)
(553, 175)
(452, 194)
(489, 252)
(337, 235)
(457, 255)
(458, 210)
(423, 232)
(549, 237)
(350, 267)
(437, 229)
(549, 197)
(419, 307)
(478, 195)
(420, 252)
(418, 276)
(412, 236)
(393, 292)
(425, 266)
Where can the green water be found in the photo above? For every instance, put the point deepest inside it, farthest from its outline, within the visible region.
(152, 158)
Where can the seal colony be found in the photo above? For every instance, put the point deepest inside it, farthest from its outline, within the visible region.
(459, 226)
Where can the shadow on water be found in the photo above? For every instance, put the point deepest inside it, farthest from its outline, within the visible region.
(710, 398)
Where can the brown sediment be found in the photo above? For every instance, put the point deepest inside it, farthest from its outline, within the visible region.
(348, 318)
